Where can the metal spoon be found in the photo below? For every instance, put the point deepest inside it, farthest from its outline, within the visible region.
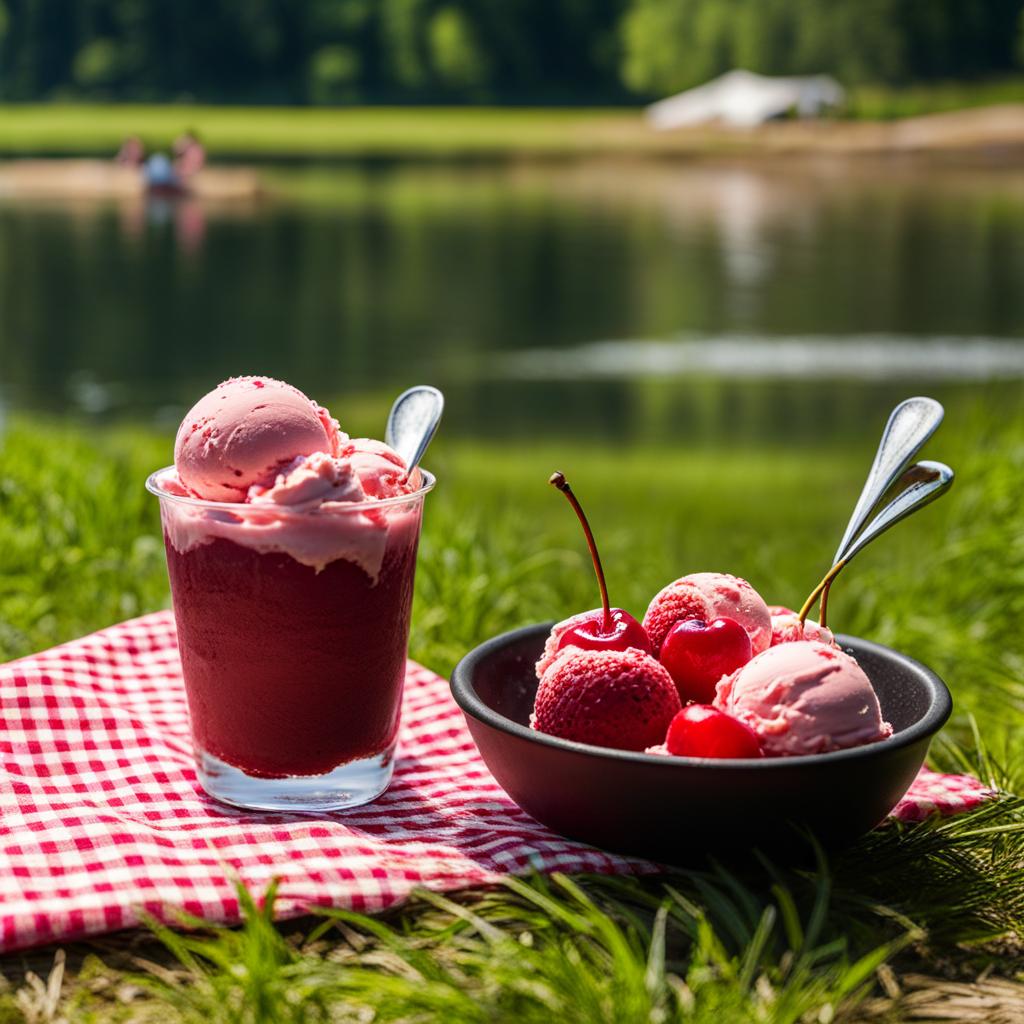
(412, 423)
(911, 424)
(922, 483)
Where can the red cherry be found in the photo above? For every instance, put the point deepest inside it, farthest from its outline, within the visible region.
(590, 634)
(697, 654)
(607, 629)
(702, 731)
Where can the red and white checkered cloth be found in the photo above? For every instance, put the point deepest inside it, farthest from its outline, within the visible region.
(101, 818)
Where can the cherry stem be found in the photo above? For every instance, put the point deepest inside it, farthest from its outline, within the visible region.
(558, 480)
(823, 606)
(821, 590)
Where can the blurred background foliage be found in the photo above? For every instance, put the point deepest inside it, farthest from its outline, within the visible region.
(483, 51)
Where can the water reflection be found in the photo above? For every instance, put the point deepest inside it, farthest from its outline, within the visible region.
(498, 283)
(185, 216)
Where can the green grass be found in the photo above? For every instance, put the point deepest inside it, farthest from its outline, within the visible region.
(428, 132)
(866, 936)
(307, 131)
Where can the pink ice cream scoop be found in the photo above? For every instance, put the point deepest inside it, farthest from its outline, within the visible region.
(307, 482)
(363, 470)
(246, 430)
(380, 469)
(262, 443)
(551, 648)
(707, 596)
(804, 697)
(786, 627)
(622, 699)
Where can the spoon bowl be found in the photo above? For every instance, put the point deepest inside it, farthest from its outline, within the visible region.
(412, 423)
(910, 425)
(922, 483)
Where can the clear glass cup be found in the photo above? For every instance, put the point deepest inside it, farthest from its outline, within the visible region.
(293, 629)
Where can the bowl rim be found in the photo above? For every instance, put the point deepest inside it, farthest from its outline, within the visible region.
(936, 716)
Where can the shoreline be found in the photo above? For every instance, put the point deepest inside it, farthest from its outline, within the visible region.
(990, 134)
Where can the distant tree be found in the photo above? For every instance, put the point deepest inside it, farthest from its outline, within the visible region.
(402, 26)
(590, 51)
(96, 65)
(660, 55)
(455, 53)
(674, 44)
(334, 74)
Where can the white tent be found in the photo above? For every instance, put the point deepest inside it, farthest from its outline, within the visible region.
(744, 99)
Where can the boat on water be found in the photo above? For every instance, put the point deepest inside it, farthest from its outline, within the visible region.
(100, 179)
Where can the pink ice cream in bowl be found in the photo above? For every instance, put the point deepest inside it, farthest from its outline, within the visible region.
(291, 550)
(804, 697)
(778, 726)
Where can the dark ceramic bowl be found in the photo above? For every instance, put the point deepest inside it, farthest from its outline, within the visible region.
(672, 808)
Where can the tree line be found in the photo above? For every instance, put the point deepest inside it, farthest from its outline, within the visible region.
(482, 51)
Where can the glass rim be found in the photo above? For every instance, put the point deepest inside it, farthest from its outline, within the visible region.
(242, 507)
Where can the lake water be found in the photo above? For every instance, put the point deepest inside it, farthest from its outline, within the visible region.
(634, 301)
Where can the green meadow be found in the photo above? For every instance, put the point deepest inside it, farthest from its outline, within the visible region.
(878, 932)
(283, 132)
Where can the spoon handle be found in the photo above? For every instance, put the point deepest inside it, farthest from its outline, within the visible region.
(412, 423)
(911, 424)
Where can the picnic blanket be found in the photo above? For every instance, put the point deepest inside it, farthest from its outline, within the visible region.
(102, 821)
